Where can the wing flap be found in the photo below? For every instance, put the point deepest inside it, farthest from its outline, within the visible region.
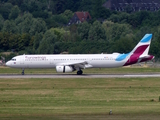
(80, 64)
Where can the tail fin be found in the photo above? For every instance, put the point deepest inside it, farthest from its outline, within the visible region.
(140, 52)
(143, 46)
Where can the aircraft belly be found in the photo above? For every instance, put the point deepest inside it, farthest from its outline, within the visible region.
(106, 64)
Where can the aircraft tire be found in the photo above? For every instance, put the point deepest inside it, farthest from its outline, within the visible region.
(22, 71)
(80, 72)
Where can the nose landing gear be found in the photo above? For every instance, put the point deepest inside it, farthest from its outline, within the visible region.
(22, 71)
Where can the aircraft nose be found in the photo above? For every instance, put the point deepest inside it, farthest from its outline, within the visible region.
(7, 64)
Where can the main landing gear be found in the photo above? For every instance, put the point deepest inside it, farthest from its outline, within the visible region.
(80, 72)
(22, 71)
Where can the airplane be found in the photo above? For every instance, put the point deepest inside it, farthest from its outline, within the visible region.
(76, 62)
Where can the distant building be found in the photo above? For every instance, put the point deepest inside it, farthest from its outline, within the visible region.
(132, 5)
(79, 17)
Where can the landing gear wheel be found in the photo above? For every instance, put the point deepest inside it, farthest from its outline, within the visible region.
(22, 71)
(80, 72)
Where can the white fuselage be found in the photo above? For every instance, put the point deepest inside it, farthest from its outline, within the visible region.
(51, 61)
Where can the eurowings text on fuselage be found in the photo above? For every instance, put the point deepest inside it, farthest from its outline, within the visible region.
(71, 62)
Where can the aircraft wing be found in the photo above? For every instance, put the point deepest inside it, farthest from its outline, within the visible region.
(82, 64)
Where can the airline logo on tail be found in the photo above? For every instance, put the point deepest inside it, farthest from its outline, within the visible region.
(139, 53)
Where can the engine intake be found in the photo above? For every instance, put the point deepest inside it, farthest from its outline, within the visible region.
(64, 69)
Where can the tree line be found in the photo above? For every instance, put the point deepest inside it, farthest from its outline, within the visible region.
(40, 27)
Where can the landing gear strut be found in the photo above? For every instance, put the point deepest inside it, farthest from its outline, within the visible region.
(22, 71)
(80, 72)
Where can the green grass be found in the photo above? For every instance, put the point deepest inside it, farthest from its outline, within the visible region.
(124, 70)
(128, 98)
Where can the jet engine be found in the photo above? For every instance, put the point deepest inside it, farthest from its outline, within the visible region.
(64, 69)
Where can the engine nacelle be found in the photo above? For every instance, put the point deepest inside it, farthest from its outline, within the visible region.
(64, 69)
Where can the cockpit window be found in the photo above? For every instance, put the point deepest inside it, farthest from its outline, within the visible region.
(13, 59)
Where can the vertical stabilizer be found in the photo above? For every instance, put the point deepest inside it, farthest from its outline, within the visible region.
(143, 46)
(140, 52)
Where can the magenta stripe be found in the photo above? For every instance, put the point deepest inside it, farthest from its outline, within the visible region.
(141, 49)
